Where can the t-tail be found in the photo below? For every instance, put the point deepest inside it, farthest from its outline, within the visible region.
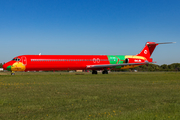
(149, 48)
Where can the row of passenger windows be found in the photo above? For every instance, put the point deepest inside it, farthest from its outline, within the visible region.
(70, 60)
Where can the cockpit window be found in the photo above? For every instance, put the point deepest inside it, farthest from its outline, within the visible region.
(16, 59)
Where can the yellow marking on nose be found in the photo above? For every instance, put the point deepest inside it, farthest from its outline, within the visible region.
(18, 66)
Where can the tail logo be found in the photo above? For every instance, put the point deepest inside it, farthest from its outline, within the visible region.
(145, 51)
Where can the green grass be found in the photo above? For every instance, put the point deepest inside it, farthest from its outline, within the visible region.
(125, 96)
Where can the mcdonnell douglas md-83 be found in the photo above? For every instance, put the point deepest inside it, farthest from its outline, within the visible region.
(81, 62)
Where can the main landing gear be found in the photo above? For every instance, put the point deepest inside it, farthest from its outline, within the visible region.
(105, 72)
(94, 72)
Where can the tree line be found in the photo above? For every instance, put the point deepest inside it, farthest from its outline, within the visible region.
(154, 67)
(151, 67)
(1, 65)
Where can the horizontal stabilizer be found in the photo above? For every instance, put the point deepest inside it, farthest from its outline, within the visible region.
(153, 43)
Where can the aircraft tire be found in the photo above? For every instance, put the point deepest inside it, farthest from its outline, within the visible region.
(12, 73)
(105, 72)
(94, 72)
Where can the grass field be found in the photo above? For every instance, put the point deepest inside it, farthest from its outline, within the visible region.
(125, 96)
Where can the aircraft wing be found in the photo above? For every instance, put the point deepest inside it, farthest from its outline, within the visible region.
(115, 65)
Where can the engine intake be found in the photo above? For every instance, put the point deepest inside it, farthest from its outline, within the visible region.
(126, 60)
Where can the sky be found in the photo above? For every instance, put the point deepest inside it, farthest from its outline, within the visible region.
(89, 27)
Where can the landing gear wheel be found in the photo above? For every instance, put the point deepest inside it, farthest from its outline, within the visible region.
(12, 73)
(94, 72)
(105, 72)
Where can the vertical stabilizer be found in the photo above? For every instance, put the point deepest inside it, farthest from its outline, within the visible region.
(149, 48)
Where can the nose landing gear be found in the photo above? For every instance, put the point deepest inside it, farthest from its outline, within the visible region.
(12, 73)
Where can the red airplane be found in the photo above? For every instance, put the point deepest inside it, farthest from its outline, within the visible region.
(81, 62)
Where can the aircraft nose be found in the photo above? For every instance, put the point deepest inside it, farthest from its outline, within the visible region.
(4, 66)
(7, 67)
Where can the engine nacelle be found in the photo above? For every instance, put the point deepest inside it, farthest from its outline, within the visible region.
(133, 60)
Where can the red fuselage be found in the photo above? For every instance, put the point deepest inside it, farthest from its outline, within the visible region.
(63, 62)
(58, 62)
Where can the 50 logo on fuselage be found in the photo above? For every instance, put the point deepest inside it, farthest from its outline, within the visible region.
(96, 60)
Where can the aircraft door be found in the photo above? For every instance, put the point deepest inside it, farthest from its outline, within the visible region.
(24, 60)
